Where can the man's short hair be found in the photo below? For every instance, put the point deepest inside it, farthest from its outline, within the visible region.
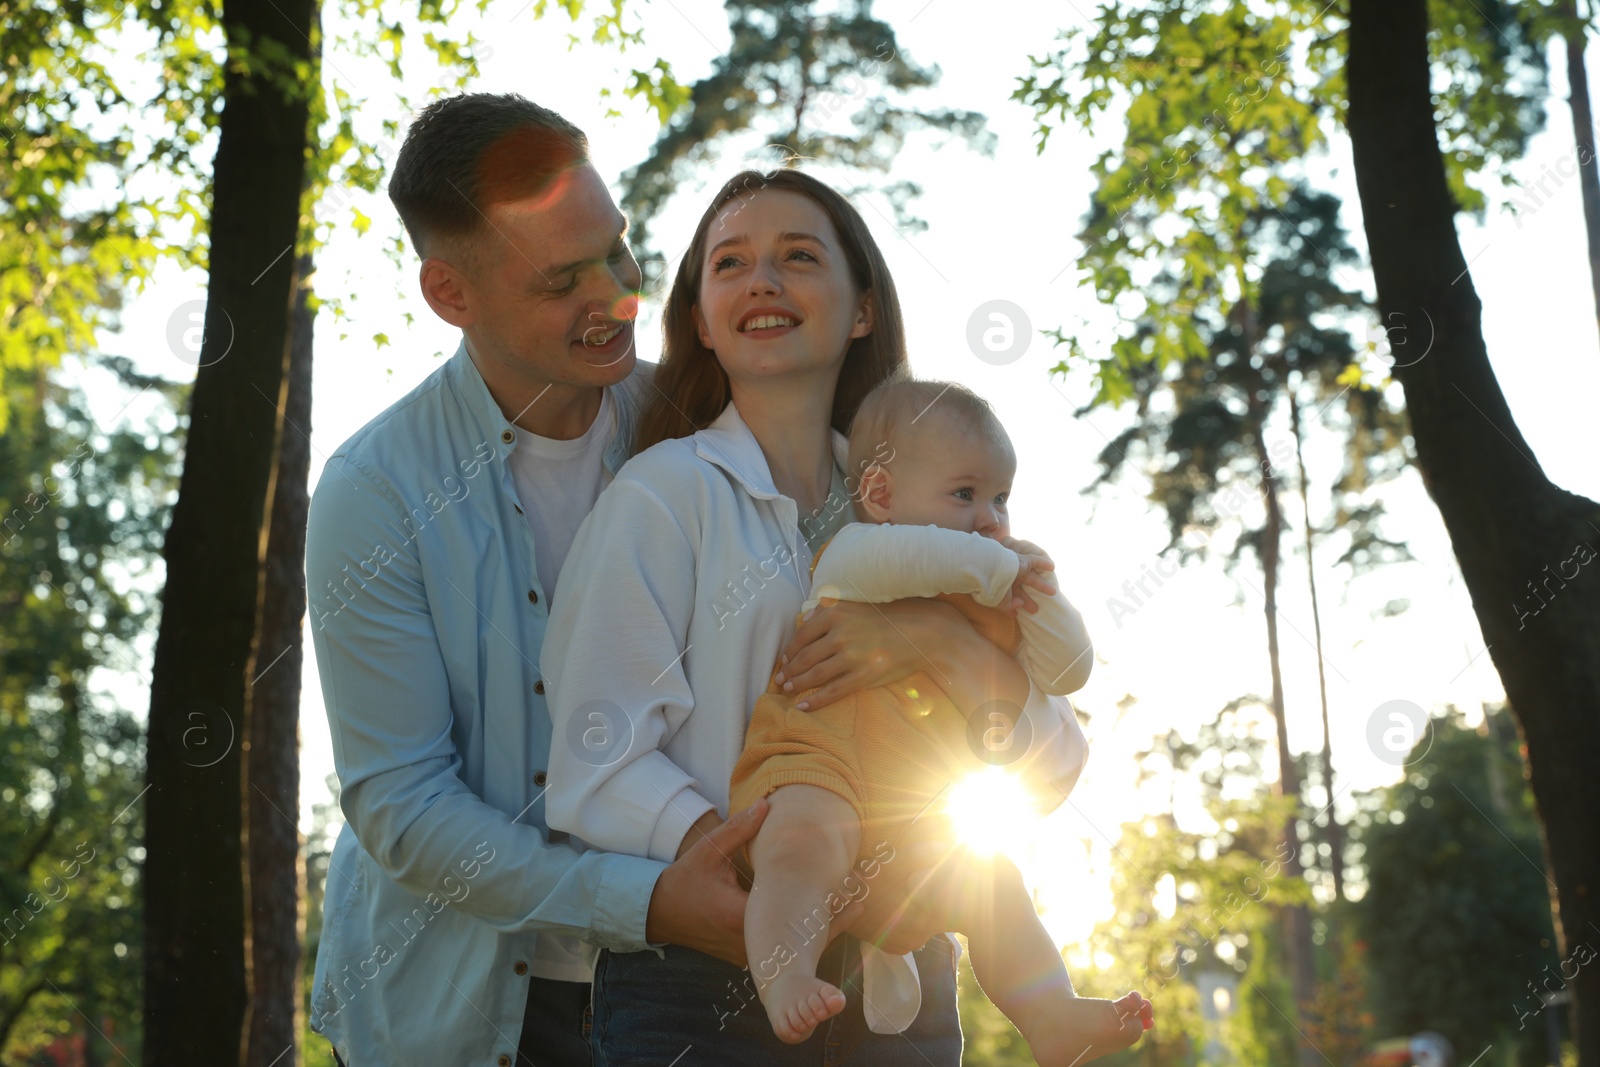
(464, 153)
(899, 406)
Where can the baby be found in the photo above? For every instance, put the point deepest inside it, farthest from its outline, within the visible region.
(847, 778)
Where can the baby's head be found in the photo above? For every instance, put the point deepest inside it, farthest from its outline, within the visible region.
(949, 462)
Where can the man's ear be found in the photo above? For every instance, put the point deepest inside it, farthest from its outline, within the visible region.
(444, 287)
(863, 324)
(875, 490)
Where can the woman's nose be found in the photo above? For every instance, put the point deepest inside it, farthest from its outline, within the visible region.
(764, 279)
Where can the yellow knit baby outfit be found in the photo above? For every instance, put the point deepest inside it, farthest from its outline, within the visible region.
(889, 751)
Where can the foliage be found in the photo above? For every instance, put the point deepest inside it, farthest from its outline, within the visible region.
(1204, 901)
(1202, 424)
(1456, 918)
(69, 253)
(819, 84)
(1220, 100)
(82, 510)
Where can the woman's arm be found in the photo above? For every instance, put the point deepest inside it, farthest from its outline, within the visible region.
(613, 665)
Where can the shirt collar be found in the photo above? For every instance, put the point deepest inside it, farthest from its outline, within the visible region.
(491, 422)
(729, 444)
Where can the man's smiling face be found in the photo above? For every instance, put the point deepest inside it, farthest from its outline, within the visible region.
(551, 288)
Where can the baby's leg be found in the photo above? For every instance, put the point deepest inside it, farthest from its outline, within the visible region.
(1021, 970)
(804, 850)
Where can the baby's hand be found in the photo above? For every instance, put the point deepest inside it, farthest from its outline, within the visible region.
(1033, 572)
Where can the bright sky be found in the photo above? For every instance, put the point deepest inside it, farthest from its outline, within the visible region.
(1002, 228)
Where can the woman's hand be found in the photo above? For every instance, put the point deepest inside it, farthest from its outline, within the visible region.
(845, 647)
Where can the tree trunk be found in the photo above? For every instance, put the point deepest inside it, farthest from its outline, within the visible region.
(1332, 834)
(1296, 920)
(1575, 39)
(193, 885)
(274, 867)
(1509, 526)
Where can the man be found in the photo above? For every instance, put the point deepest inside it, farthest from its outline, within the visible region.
(436, 537)
(457, 928)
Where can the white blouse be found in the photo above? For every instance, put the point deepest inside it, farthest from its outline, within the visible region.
(679, 592)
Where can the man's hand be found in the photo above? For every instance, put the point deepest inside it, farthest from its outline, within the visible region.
(697, 902)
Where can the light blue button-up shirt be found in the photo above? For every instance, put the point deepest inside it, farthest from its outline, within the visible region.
(427, 618)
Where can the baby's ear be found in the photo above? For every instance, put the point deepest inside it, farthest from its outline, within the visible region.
(876, 489)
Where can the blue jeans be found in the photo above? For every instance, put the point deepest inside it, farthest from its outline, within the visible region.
(649, 1011)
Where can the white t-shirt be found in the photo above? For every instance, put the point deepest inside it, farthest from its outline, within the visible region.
(558, 483)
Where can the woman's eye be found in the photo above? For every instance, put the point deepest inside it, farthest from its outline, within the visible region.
(802, 252)
(719, 265)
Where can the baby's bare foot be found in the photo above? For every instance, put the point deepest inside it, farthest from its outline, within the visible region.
(797, 1003)
(1076, 1031)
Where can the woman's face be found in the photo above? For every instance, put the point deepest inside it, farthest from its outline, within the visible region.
(776, 296)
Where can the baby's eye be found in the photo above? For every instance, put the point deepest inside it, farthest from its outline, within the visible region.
(1000, 501)
(964, 493)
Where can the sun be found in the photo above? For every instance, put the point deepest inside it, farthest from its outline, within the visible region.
(992, 813)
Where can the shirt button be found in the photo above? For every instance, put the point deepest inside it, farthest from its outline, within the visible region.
(508, 436)
(540, 778)
(520, 967)
(504, 1060)
(538, 687)
(533, 597)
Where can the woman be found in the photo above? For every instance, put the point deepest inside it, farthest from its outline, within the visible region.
(682, 587)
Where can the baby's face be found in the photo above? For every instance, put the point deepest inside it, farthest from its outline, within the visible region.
(955, 477)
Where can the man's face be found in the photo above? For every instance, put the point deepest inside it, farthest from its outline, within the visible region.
(551, 289)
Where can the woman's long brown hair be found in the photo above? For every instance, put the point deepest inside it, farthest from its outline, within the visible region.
(691, 386)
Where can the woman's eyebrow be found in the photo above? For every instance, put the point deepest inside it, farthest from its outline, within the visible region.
(793, 235)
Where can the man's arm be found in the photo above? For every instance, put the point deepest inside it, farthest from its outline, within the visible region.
(388, 704)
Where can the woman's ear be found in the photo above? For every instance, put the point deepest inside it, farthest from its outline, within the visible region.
(876, 489)
(863, 324)
(700, 327)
